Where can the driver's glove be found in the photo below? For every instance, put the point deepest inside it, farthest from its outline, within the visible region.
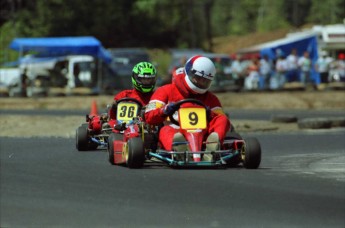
(120, 126)
(170, 108)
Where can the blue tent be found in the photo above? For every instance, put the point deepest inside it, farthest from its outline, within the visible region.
(305, 41)
(59, 46)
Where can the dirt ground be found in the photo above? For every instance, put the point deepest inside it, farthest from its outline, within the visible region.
(65, 126)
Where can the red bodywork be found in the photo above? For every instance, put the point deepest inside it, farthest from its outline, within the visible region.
(195, 139)
(95, 123)
(120, 146)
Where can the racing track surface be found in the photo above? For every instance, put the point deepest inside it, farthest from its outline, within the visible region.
(45, 182)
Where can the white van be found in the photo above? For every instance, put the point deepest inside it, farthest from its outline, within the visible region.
(46, 75)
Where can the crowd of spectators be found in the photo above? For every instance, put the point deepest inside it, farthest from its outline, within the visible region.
(262, 73)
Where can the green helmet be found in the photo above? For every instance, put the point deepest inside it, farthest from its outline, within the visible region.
(144, 77)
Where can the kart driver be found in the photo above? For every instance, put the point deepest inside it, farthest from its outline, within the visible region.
(191, 81)
(144, 77)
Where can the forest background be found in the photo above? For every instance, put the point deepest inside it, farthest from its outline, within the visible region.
(221, 26)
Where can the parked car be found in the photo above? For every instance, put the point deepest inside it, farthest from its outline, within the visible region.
(122, 64)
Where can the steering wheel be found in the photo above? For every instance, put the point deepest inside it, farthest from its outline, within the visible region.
(188, 100)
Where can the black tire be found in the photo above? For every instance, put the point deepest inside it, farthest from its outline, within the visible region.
(315, 123)
(281, 118)
(111, 138)
(91, 145)
(82, 138)
(338, 121)
(251, 153)
(135, 154)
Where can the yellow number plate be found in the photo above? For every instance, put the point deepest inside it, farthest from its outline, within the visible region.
(126, 111)
(192, 118)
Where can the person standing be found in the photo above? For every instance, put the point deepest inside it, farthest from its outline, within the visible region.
(305, 65)
(322, 66)
(278, 80)
(237, 71)
(292, 66)
(265, 67)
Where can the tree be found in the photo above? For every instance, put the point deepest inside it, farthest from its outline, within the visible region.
(327, 12)
(159, 23)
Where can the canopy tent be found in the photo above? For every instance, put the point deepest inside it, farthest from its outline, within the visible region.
(304, 41)
(60, 46)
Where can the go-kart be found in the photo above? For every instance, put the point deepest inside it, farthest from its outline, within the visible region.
(133, 138)
(192, 120)
(93, 134)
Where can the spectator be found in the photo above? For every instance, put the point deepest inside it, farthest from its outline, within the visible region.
(338, 68)
(305, 64)
(322, 66)
(278, 79)
(265, 69)
(292, 66)
(251, 82)
(24, 82)
(76, 72)
(219, 71)
(238, 70)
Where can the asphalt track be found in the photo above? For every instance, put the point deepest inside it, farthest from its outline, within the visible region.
(234, 114)
(46, 182)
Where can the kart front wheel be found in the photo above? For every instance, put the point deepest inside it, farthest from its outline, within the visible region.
(112, 137)
(81, 138)
(135, 154)
(251, 153)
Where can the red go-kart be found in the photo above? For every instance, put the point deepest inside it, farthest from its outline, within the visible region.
(93, 134)
(129, 144)
(192, 119)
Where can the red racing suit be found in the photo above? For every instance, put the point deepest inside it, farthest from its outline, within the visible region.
(176, 91)
(143, 98)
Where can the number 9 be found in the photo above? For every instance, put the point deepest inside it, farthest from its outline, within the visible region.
(193, 117)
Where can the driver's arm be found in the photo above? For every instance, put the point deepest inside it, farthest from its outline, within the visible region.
(154, 114)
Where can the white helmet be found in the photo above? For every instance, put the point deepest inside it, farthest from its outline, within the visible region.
(200, 72)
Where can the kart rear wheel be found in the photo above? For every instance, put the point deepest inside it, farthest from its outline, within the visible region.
(81, 138)
(112, 137)
(251, 153)
(135, 154)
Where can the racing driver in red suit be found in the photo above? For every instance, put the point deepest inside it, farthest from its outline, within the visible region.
(191, 81)
(144, 77)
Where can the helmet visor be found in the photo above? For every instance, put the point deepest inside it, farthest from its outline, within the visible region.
(146, 80)
(199, 80)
